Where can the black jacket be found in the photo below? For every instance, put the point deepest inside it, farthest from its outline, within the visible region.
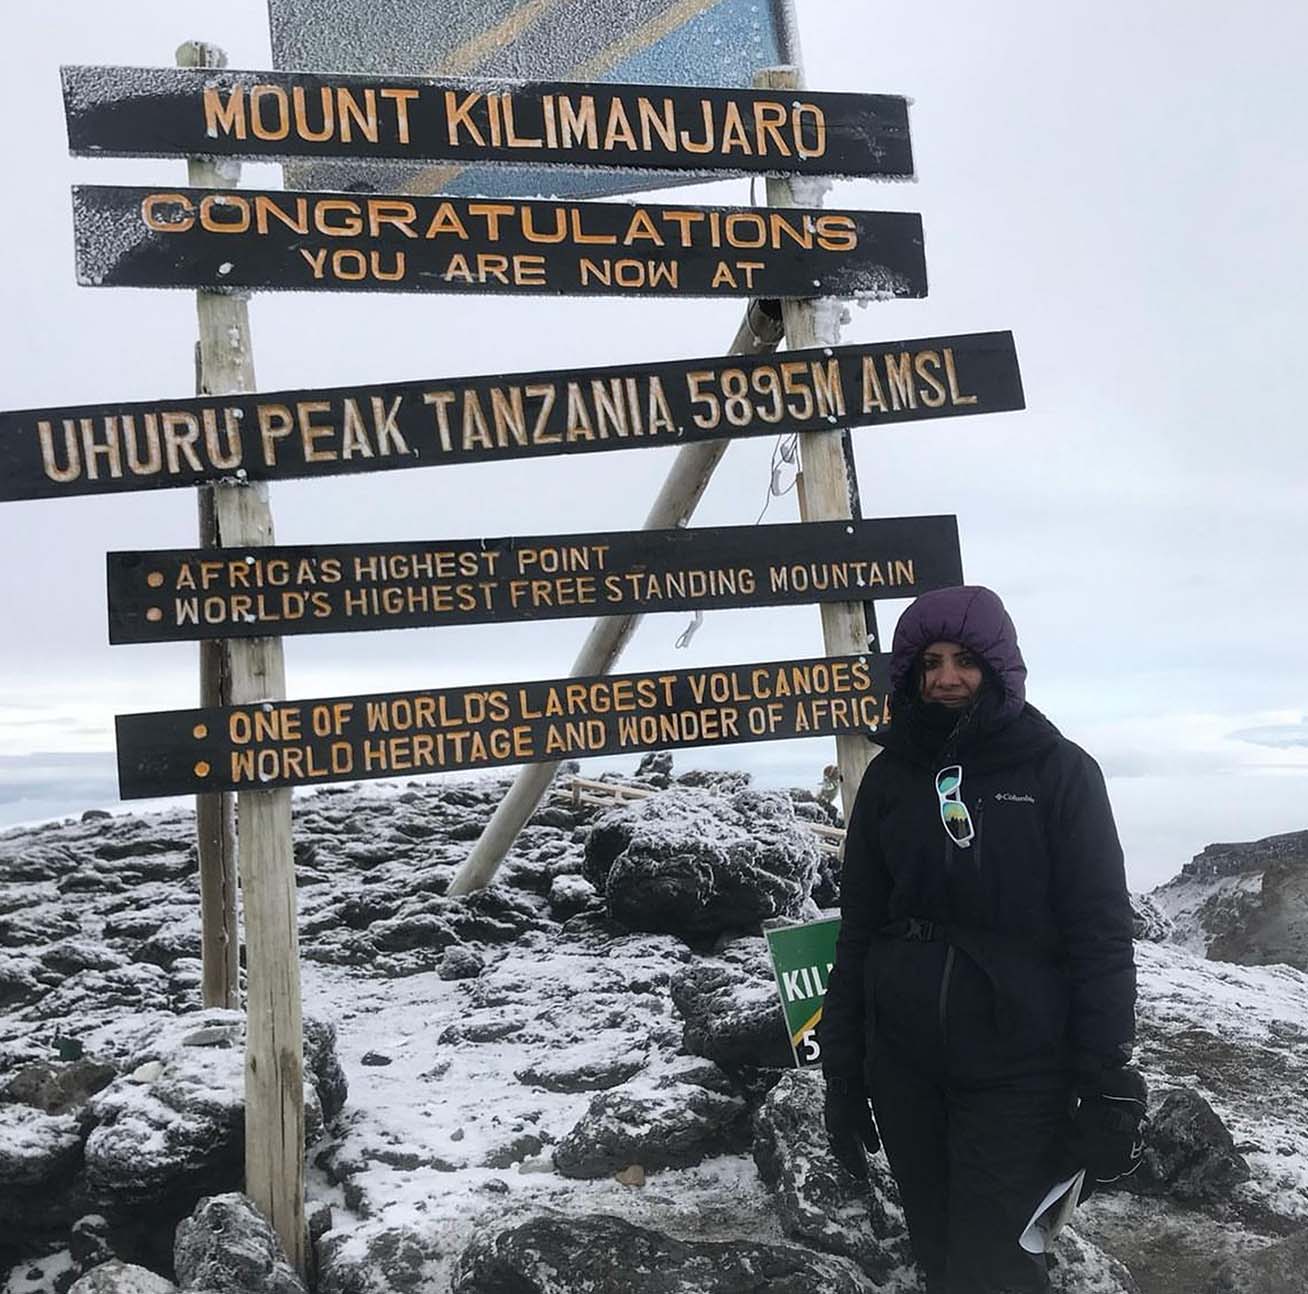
(1027, 963)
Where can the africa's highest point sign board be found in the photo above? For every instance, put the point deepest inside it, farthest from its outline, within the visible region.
(649, 42)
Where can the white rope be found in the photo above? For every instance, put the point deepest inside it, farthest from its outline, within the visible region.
(690, 631)
(786, 449)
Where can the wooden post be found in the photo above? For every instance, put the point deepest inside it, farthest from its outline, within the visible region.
(823, 484)
(687, 479)
(215, 821)
(274, 1050)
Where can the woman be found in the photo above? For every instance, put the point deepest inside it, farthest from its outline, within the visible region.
(983, 994)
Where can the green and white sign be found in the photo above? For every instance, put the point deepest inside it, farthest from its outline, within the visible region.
(802, 958)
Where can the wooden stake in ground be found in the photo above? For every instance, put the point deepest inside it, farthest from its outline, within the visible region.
(759, 333)
(274, 1051)
(215, 825)
(824, 483)
(215, 821)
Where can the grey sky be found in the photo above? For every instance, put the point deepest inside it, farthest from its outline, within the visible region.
(1122, 185)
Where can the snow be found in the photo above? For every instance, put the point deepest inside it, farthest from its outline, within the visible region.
(106, 233)
(1239, 1036)
(39, 1274)
(478, 1078)
(446, 1107)
(31, 1139)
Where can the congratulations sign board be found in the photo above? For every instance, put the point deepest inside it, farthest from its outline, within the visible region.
(342, 588)
(184, 112)
(108, 448)
(205, 238)
(304, 743)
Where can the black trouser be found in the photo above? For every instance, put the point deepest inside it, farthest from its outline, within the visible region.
(972, 1161)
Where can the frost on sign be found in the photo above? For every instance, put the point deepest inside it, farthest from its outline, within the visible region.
(651, 42)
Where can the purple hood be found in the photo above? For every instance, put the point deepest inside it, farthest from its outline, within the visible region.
(967, 614)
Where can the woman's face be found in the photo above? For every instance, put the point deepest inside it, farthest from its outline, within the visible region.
(950, 674)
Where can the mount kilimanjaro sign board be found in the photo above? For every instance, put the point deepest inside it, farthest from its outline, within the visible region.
(111, 448)
(207, 238)
(305, 743)
(184, 112)
(343, 588)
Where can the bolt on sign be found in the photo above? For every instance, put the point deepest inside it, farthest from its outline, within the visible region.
(184, 112)
(307, 743)
(343, 588)
(109, 448)
(646, 43)
(802, 958)
(208, 238)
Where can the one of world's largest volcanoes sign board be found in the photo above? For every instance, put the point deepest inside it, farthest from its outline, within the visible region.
(185, 112)
(305, 743)
(211, 238)
(110, 448)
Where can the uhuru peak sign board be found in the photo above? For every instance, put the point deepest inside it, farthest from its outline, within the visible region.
(663, 43)
(183, 112)
(204, 238)
(109, 448)
(303, 743)
(200, 593)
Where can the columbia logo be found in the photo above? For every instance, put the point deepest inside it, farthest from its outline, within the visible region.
(1014, 798)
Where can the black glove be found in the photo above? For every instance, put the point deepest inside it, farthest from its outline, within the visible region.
(1109, 1123)
(850, 1127)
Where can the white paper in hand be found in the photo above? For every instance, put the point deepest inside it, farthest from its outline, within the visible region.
(1051, 1215)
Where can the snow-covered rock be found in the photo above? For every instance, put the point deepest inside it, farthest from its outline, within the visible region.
(563, 1255)
(171, 1127)
(116, 1277)
(377, 1260)
(1150, 923)
(1281, 1268)
(1189, 1154)
(1245, 903)
(672, 1127)
(731, 1010)
(695, 864)
(39, 1157)
(819, 1203)
(56, 1087)
(228, 1247)
(1081, 1267)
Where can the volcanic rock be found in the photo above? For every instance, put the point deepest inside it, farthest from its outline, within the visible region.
(227, 1246)
(560, 1255)
(672, 1127)
(730, 1007)
(695, 864)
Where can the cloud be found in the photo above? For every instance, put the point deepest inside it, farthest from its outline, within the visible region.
(1280, 736)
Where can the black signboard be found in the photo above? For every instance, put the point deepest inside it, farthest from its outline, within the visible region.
(304, 743)
(110, 448)
(348, 588)
(184, 112)
(342, 242)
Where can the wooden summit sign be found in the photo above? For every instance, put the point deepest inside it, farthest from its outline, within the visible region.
(110, 448)
(208, 238)
(304, 743)
(183, 112)
(343, 588)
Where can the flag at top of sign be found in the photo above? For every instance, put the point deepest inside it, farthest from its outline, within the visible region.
(635, 43)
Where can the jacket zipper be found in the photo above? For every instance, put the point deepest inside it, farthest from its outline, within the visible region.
(944, 993)
(942, 1003)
